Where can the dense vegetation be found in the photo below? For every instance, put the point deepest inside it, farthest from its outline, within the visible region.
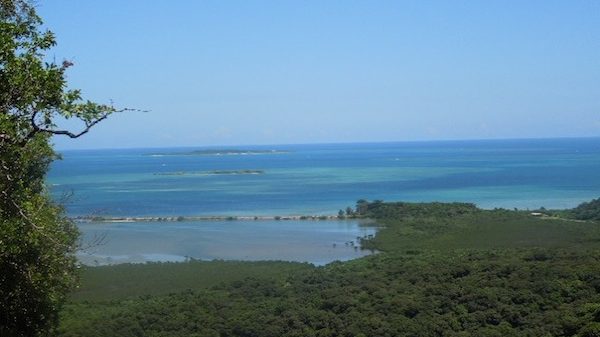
(442, 270)
(37, 240)
(134, 280)
(587, 211)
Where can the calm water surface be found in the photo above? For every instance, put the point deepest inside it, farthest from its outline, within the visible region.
(320, 179)
(317, 242)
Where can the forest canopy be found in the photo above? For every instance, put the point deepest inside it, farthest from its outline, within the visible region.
(441, 270)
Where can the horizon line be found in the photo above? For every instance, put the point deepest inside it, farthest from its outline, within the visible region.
(332, 143)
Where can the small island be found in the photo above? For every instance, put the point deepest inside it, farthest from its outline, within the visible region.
(217, 152)
(209, 173)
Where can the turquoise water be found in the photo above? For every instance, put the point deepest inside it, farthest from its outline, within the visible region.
(320, 179)
(302, 179)
(317, 242)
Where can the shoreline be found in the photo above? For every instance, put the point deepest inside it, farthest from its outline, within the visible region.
(111, 219)
(192, 218)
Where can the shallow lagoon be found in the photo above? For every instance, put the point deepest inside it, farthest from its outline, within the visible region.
(317, 242)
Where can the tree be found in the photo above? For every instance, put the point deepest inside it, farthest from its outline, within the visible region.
(362, 206)
(37, 241)
(349, 211)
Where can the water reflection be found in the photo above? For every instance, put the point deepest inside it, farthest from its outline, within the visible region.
(317, 242)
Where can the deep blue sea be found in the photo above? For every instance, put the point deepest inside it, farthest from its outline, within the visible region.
(320, 179)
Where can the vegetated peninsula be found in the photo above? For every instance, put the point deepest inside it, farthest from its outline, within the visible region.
(443, 269)
(217, 152)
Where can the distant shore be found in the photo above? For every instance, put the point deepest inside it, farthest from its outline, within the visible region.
(119, 219)
(110, 219)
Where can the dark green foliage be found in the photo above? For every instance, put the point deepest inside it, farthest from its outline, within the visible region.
(37, 244)
(484, 294)
(37, 241)
(349, 211)
(591, 330)
(400, 210)
(458, 272)
(134, 280)
(482, 230)
(587, 211)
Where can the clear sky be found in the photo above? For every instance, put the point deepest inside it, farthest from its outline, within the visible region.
(280, 72)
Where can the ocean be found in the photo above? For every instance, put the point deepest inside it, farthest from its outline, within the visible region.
(299, 180)
(323, 178)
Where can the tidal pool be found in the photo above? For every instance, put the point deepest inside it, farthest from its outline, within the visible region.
(317, 242)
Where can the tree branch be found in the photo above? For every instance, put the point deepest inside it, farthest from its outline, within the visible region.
(88, 126)
(35, 128)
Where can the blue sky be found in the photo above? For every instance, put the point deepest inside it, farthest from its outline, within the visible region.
(273, 72)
